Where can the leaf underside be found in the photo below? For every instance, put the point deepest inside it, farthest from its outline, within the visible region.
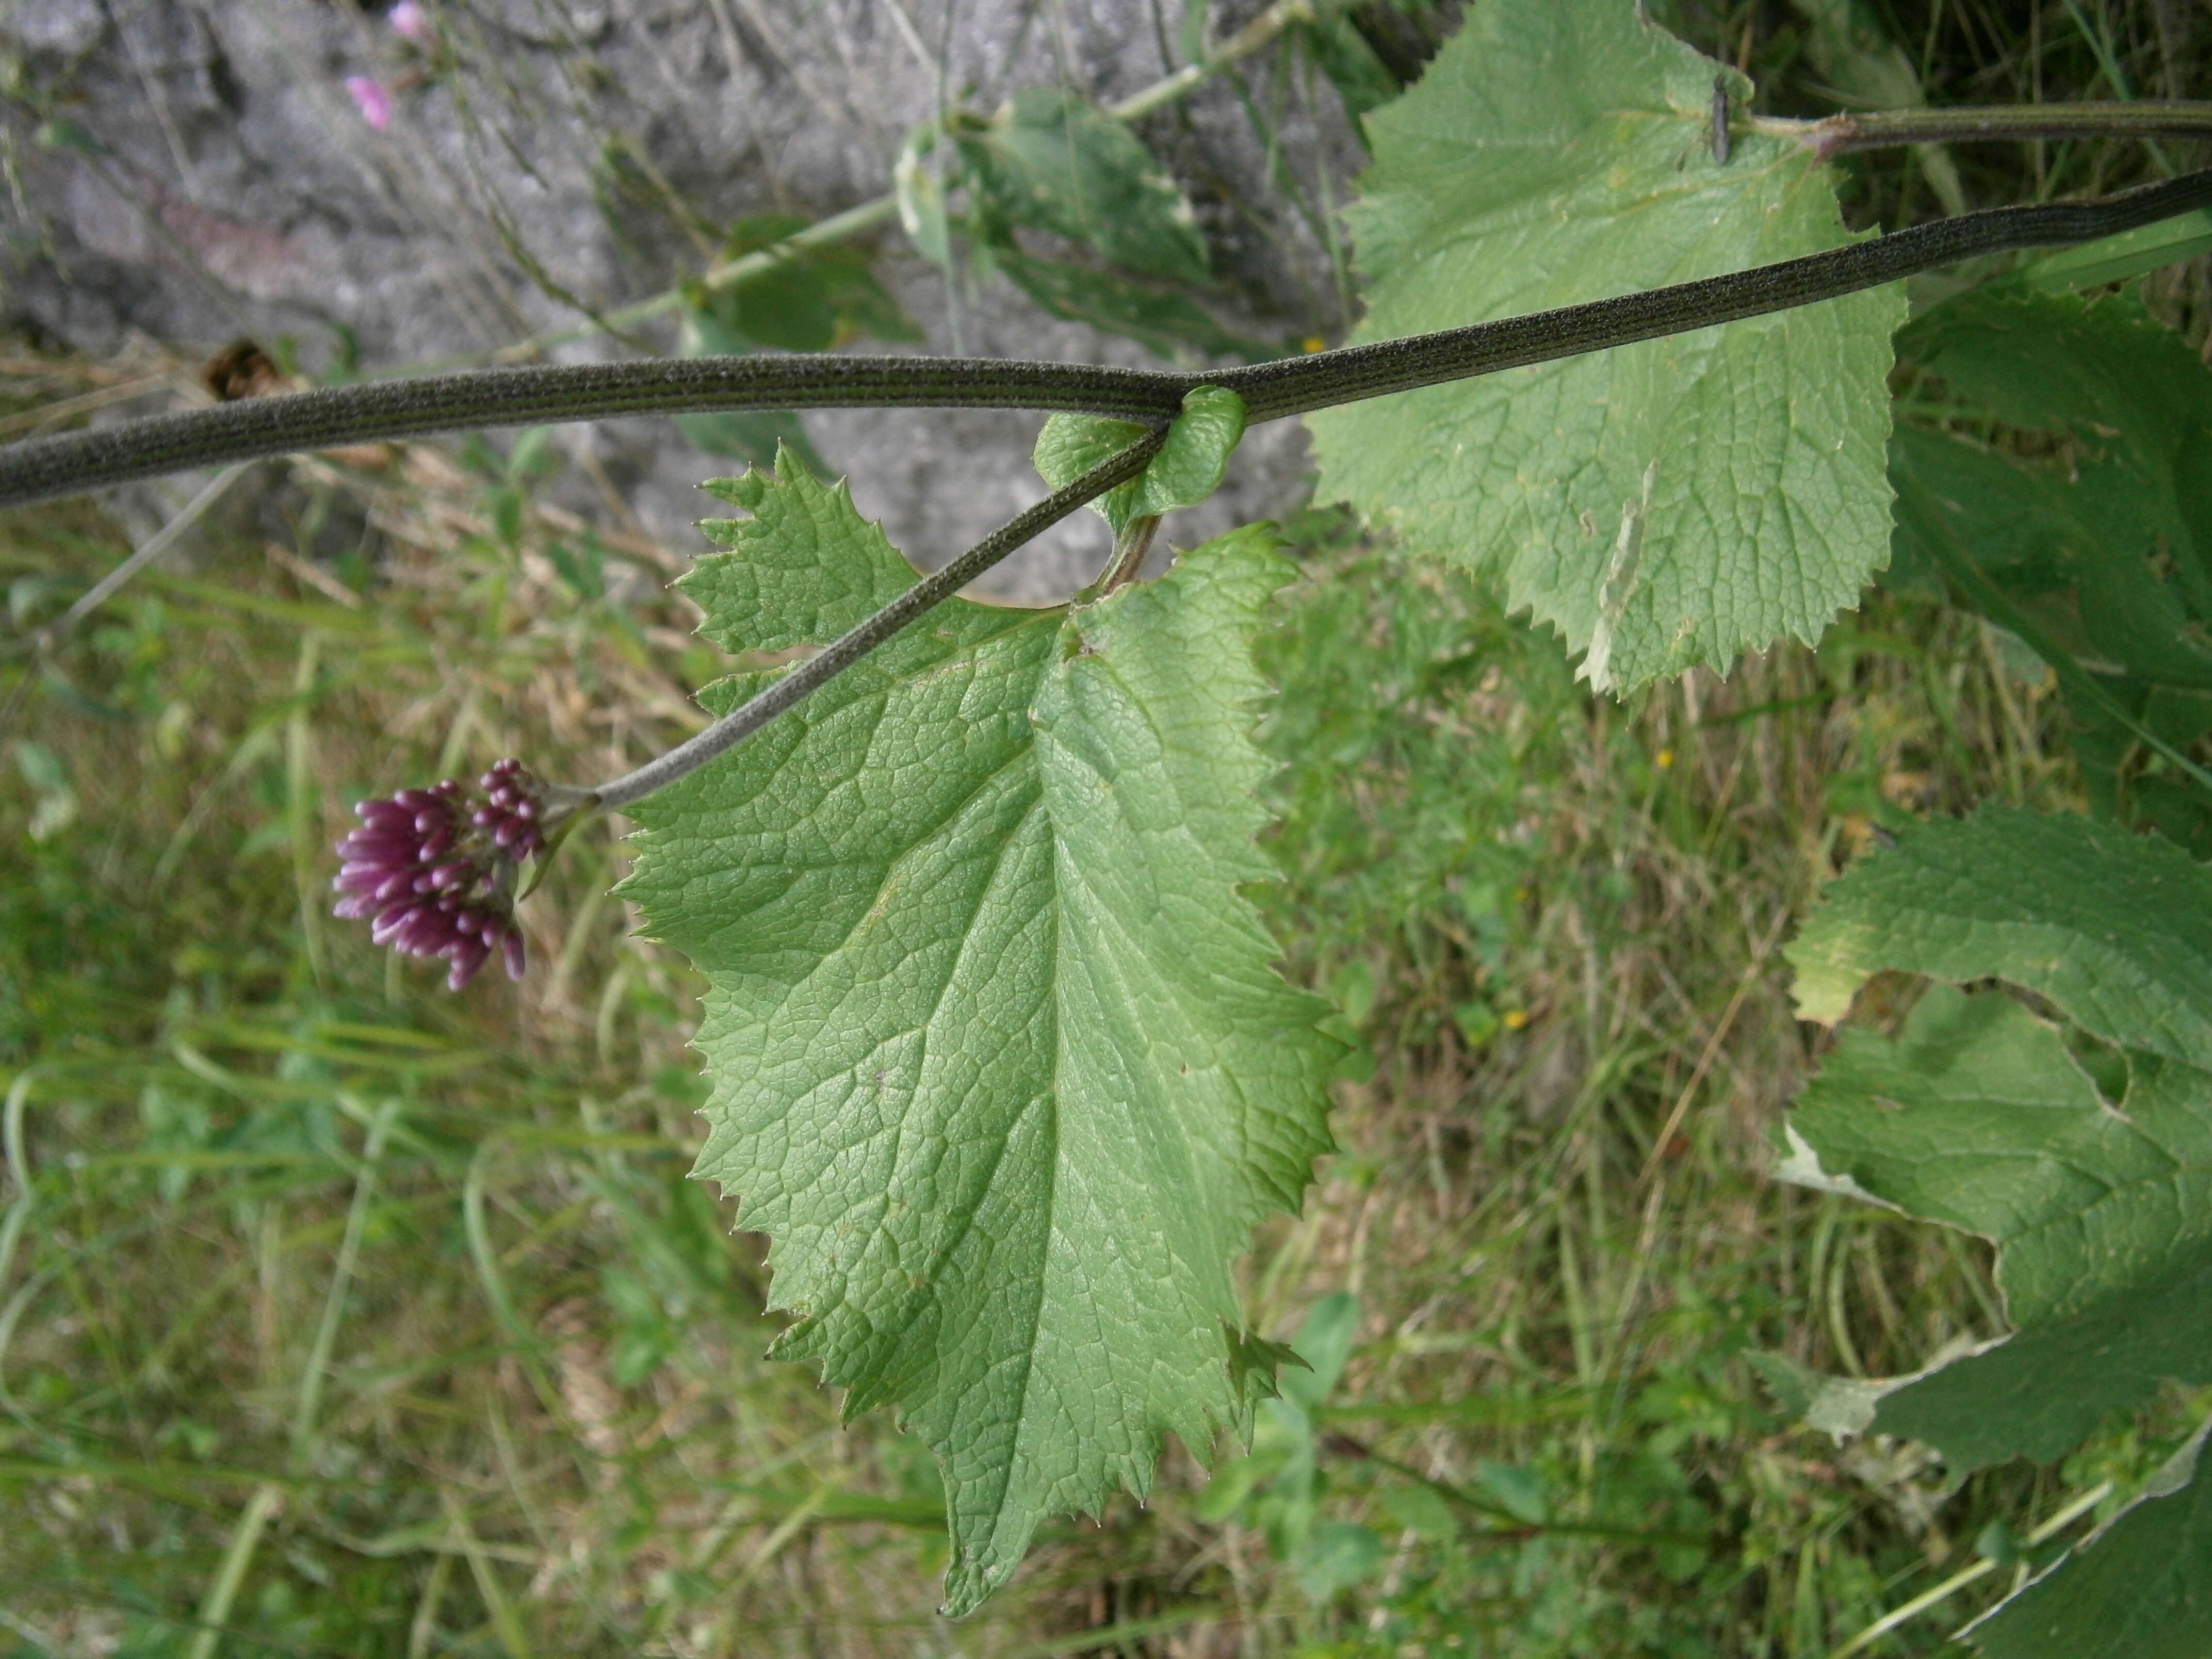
(1661, 504)
(999, 1060)
(1978, 1114)
(2138, 1589)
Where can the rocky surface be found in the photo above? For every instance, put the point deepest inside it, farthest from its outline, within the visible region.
(198, 170)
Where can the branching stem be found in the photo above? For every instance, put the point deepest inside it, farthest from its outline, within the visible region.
(932, 590)
(255, 427)
(1130, 547)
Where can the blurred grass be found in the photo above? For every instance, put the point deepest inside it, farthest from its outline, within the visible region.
(338, 1315)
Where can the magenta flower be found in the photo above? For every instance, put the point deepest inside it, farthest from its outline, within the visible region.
(372, 99)
(410, 22)
(432, 870)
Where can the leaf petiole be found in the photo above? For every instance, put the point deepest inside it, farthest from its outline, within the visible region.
(840, 655)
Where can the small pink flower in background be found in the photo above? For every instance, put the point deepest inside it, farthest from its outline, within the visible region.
(410, 22)
(372, 99)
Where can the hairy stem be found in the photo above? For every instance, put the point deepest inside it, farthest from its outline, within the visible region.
(1966, 124)
(1130, 547)
(833, 659)
(47, 467)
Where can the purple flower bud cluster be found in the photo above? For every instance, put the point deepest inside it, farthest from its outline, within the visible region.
(510, 810)
(432, 870)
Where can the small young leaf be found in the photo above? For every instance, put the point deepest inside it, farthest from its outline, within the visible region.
(1188, 468)
(921, 200)
(999, 1060)
(812, 299)
(1052, 161)
(1661, 504)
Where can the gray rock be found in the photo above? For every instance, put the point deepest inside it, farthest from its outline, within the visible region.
(546, 157)
(67, 27)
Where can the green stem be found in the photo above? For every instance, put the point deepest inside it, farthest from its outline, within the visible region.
(1968, 124)
(254, 426)
(1130, 547)
(1958, 1581)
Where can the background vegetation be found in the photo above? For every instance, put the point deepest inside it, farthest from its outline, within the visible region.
(340, 1315)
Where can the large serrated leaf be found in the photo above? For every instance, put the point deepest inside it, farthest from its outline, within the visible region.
(1977, 1115)
(1661, 504)
(2115, 928)
(999, 1060)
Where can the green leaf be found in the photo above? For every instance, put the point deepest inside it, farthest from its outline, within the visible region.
(1661, 504)
(806, 566)
(921, 199)
(2096, 557)
(814, 299)
(1052, 161)
(1336, 1555)
(2114, 928)
(2138, 1588)
(1521, 1491)
(1978, 1116)
(999, 1061)
(1324, 1344)
(2106, 543)
(1168, 323)
(1978, 1113)
(1363, 81)
(2116, 258)
(1188, 468)
(2096, 367)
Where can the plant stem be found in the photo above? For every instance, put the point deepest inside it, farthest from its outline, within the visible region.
(46, 467)
(1129, 550)
(835, 658)
(1966, 124)
(1959, 1581)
